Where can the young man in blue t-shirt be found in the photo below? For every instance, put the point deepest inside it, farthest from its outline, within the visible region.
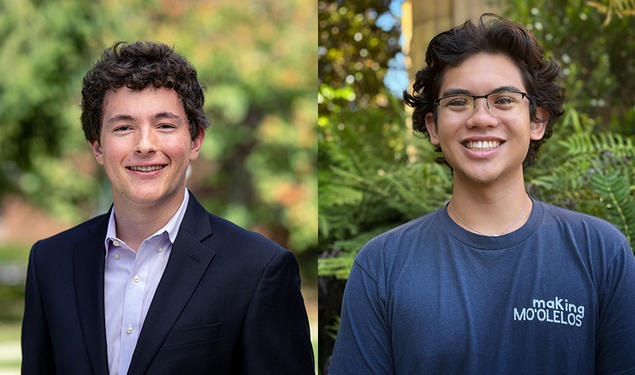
(495, 282)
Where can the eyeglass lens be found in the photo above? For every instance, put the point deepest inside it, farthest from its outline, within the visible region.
(497, 102)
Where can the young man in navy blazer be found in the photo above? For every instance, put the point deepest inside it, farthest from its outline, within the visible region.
(158, 285)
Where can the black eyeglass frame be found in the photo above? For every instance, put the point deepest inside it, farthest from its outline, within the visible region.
(474, 97)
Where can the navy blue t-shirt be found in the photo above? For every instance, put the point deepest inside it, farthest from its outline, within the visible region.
(556, 296)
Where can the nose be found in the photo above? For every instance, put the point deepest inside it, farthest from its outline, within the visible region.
(483, 99)
(481, 115)
(145, 141)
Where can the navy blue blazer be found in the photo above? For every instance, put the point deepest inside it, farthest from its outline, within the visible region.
(228, 302)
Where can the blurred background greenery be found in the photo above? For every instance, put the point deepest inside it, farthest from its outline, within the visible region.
(257, 166)
(374, 173)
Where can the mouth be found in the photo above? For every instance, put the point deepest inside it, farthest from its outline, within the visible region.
(482, 145)
(145, 168)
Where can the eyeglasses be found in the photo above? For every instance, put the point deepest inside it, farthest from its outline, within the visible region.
(498, 103)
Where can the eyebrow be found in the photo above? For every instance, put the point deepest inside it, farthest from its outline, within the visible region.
(158, 116)
(118, 118)
(458, 91)
(169, 115)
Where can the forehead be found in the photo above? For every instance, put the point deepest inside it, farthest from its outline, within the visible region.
(139, 103)
(481, 73)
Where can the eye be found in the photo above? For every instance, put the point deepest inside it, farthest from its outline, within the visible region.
(457, 101)
(166, 126)
(506, 100)
(122, 128)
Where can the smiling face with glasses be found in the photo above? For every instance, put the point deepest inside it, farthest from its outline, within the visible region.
(482, 119)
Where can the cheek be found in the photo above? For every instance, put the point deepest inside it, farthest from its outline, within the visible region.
(114, 153)
(178, 150)
(444, 133)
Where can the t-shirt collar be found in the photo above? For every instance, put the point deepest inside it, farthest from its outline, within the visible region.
(493, 243)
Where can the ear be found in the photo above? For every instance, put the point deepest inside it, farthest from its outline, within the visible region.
(195, 147)
(99, 155)
(539, 125)
(432, 129)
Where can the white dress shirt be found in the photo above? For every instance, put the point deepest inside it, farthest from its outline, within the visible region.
(130, 280)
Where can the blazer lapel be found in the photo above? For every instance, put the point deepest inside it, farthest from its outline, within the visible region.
(189, 259)
(88, 268)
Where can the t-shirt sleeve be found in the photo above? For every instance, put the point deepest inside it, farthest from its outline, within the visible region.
(616, 323)
(363, 344)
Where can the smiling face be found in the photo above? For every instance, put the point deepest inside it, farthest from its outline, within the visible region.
(145, 146)
(485, 145)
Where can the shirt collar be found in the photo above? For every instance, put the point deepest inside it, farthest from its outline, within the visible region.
(172, 227)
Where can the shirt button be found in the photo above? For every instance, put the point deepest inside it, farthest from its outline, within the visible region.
(116, 256)
(115, 242)
(129, 330)
(160, 250)
(136, 278)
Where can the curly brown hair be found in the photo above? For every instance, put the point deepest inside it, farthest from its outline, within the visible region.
(136, 66)
(493, 34)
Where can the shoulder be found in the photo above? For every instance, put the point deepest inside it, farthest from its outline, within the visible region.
(399, 243)
(250, 241)
(225, 235)
(64, 241)
(580, 225)
(234, 245)
(594, 241)
(254, 257)
(403, 234)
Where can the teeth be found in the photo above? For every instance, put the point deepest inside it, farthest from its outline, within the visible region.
(146, 169)
(482, 145)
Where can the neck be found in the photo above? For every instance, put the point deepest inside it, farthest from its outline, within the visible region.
(490, 209)
(136, 222)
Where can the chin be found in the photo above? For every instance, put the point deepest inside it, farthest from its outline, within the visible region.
(485, 176)
(483, 180)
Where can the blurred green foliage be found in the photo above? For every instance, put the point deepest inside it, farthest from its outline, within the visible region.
(359, 121)
(13, 260)
(588, 163)
(257, 166)
(374, 174)
(360, 139)
(597, 59)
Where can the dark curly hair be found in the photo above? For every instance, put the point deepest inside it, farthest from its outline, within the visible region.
(493, 34)
(136, 66)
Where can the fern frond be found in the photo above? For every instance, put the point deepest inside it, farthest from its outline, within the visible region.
(614, 189)
(569, 175)
(339, 266)
(595, 144)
